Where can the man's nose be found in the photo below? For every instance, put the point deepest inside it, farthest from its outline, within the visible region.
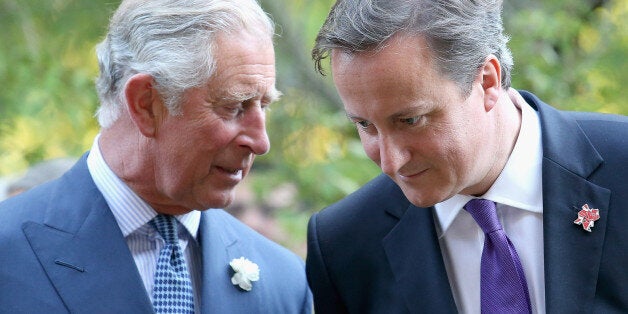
(391, 154)
(254, 135)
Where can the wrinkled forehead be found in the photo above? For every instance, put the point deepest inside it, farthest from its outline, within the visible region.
(245, 66)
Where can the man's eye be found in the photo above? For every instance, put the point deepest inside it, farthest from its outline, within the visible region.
(363, 124)
(234, 110)
(411, 121)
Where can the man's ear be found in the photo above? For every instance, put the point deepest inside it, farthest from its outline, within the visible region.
(143, 103)
(491, 81)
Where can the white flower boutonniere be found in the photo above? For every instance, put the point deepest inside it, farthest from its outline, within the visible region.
(245, 273)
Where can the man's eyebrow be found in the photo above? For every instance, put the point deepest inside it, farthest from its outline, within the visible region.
(272, 95)
(240, 96)
(351, 116)
(406, 112)
(415, 110)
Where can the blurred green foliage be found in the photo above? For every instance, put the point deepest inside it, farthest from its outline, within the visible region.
(571, 53)
(47, 66)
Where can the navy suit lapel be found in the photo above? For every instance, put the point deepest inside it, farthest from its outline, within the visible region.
(81, 248)
(572, 255)
(416, 261)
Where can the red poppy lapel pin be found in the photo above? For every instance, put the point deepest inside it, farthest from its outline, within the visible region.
(587, 217)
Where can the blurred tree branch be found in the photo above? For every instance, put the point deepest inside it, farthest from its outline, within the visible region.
(291, 42)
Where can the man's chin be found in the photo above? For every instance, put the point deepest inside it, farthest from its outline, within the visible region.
(423, 199)
(219, 202)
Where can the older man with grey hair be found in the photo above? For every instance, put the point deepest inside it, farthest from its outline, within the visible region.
(134, 226)
(490, 201)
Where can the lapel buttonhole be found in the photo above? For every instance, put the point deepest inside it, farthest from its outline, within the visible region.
(66, 264)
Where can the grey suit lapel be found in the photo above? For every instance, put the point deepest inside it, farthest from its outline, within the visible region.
(83, 251)
(416, 261)
(572, 255)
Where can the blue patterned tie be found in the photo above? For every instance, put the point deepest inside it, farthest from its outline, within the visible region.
(173, 289)
(503, 286)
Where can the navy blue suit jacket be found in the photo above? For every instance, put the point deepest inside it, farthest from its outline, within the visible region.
(62, 251)
(374, 252)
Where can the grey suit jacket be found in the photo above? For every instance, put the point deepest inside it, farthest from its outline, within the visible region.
(61, 251)
(374, 252)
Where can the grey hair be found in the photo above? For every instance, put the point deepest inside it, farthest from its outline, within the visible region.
(172, 41)
(460, 33)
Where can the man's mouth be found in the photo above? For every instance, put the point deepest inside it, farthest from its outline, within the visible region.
(230, 170)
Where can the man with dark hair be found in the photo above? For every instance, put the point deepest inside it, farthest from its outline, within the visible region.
(490, 200)
(135, 225)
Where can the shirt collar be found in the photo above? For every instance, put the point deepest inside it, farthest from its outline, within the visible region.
(130, 211)
(519, 184)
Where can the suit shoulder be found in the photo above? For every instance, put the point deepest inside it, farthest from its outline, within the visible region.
(28, 206)
(32, 204)
(609, 126)
(371, 208)
(15, 213)
(378, 195)
(598, 117)
(608, 133)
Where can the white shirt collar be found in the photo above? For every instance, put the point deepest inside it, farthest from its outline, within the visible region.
(131, 211)
(519, 185)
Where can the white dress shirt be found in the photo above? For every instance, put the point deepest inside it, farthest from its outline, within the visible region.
(519, 196)
(133, 216)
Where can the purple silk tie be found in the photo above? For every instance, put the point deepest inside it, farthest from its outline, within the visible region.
(503, 283)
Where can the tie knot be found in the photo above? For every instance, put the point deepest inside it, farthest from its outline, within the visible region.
(166, 225)
(484, 213)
